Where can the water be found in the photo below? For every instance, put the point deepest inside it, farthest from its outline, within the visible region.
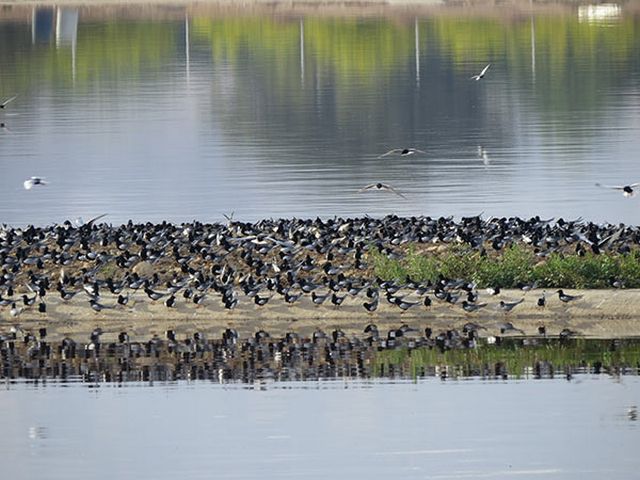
(180, 113)
(347, 429)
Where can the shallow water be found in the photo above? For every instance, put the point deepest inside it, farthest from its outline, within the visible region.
(179, 113)
(340, 429)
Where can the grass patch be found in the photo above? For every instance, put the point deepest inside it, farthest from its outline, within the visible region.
(515, 358)
(516, 264)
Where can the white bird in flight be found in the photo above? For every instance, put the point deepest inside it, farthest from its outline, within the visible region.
(9, 100)
(403, 152)
(380, 186)
(481, 74)
(29, 184)
(627, 190)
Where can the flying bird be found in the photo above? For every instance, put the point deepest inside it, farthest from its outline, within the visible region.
(481, 74)
(380, 186)
(627, 190)
(6, 102)
(403, 152)
(29, 184)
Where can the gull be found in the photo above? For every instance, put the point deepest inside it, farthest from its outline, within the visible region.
(403, 152)
(6, 102)
(380, 186)
(627, 190)
(481, 74)
(29, 184)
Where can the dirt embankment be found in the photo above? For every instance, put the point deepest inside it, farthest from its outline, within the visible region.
(597, 314)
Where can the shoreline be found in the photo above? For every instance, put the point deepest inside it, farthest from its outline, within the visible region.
(600, 314)
(145, 279)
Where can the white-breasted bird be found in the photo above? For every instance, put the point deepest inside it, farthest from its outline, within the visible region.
(481, 74)
(33, 181)
(627, 190)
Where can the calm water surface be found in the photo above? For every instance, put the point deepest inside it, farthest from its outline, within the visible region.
(180, 114)
(333, 429)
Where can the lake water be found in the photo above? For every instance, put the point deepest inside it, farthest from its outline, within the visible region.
(328, 429)
(181, 113)
(184, 113)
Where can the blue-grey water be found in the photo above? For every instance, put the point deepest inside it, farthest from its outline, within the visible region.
(182, 114)
(329, 429)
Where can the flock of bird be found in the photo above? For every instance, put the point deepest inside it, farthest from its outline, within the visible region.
(321, 261)
(220, 266)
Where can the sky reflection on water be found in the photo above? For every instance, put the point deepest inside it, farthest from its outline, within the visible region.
(374, 429)
(197, 115)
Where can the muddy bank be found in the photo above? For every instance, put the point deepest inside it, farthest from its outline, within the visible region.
(598, 314)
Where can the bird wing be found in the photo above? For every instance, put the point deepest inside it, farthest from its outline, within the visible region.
(395, 150)
(3, 104)
(94, 219)
(386, 186)
(367, 187)
(484, 70)
(28, 184)
(418, 151)
(613, 187)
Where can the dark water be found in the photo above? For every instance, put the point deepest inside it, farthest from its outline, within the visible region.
(178, 114)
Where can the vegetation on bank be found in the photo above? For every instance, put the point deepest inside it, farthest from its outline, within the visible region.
(515, 265)
(514, 358)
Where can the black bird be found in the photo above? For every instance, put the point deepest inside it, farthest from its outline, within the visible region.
(153, 295)
(170, 302)
(371, 306)
(507, 327)
(260, 301)
(542, 300)
(318, 299)
(42, 307)
(381, 187)
(123, 300)
(567, 298)
(493, 290)
(97, 307)
(337, 300)
(627, 190)
(404, 305)
(472, 307)
(403, 152)
(508, 306)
